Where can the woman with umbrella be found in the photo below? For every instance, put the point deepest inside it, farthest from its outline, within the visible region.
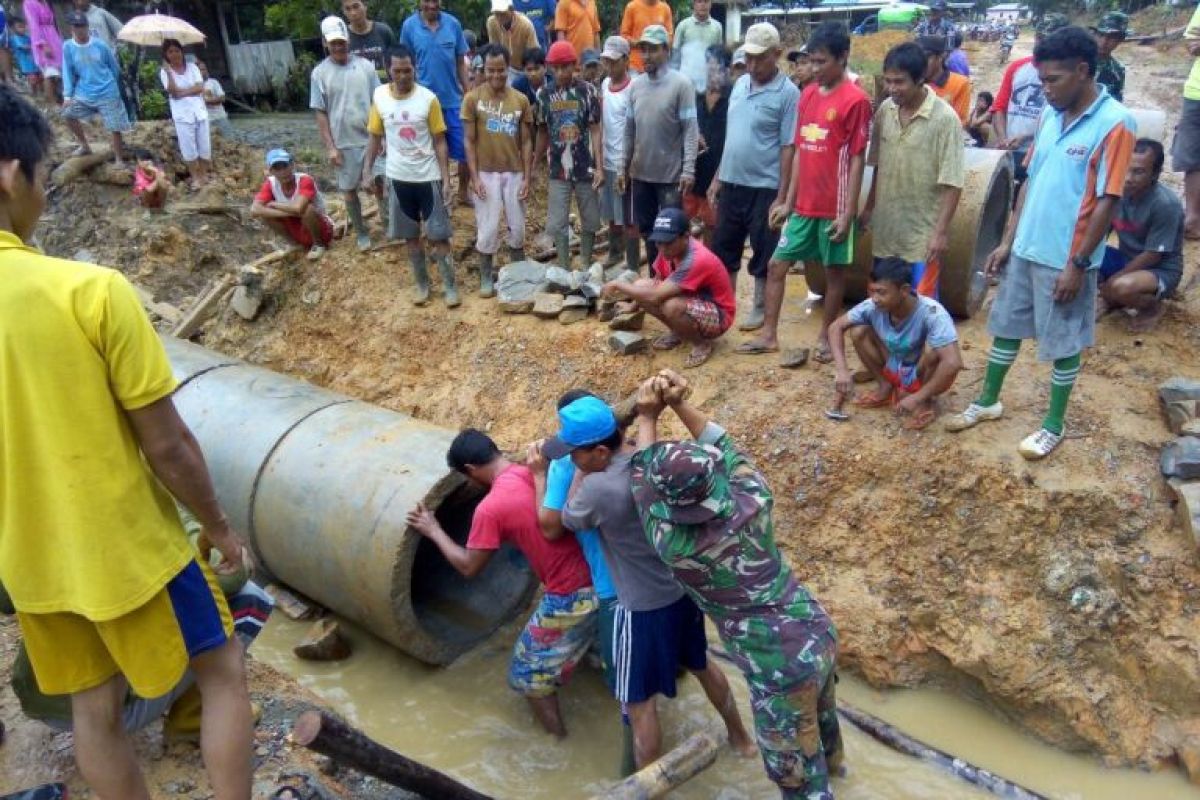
(185, 87)
(47, 46)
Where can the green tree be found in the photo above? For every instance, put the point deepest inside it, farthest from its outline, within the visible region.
(301, 19)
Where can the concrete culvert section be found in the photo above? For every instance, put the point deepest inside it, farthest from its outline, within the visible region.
(320, 485)
(977, 227)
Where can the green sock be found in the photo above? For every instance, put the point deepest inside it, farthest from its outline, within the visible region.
(1002, 356)
(1062, 380)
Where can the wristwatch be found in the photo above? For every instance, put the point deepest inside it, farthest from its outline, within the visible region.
(1081, 262)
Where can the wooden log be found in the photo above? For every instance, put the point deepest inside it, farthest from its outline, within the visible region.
(165, 310)
(696, 754)
(73, 168)
(331, 736)
(196, 315)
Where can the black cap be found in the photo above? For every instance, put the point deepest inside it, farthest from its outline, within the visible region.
(77, 19)
(669, 225)
(934, 45)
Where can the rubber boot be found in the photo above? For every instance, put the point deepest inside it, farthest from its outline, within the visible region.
(562, 246)
(516, 254)
(449, 286)
(616, 239)
(754, 320)
(486, 287)
(587, 243)
(633, 253)
(420, 278)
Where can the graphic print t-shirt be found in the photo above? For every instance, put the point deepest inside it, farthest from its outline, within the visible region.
(497, 123)
(568, 114)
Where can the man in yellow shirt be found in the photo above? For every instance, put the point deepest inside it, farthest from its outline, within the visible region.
(1185, 151)
(108, 592)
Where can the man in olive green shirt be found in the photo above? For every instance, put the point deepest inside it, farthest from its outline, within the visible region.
(917, 152)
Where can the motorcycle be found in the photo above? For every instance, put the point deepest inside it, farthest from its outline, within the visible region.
(1006, 46)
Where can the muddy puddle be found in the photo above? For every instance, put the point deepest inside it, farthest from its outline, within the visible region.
(464, 720)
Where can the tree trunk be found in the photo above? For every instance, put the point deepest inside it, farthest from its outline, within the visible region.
(697, 753)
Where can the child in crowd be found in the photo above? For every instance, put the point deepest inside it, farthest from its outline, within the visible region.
(979, 124)
(22, 50)
(150, 185)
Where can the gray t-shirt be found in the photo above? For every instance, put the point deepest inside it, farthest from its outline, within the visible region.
(604, 500)
(344, 92)
(762, 121)
(1152, 222)
(661, 133)
(905, 341)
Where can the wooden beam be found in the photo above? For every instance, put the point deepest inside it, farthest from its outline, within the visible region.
(697, 753)
(199, 312)
(165, 310)
(329, 735)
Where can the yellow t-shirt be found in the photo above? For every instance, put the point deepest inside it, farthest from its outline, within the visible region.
(1191, 89)
(85, 527)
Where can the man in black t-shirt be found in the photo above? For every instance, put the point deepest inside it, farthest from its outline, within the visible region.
(368, 39)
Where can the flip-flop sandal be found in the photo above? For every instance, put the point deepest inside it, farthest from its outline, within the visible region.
(755, 348)
(668, 341)
(920, 420)
(863, 376)
(699, 354)
(823, 354)
(873, 400)
(794, 358)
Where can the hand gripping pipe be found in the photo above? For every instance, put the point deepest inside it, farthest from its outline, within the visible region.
(320, 484)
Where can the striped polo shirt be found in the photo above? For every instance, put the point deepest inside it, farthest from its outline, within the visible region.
(1069, 171)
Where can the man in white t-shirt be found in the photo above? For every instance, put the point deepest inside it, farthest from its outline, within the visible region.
(1020, 100)
(418, 173)
(623, 235)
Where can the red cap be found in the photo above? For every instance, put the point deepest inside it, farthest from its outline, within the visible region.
(561, 53)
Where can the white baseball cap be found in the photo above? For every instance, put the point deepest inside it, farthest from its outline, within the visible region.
(333, 29)
(760, 38)
(500, 6)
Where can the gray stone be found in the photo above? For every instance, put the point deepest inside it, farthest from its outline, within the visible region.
(595, 273)
(84, 255)
(1180, 415)
(516, 306)
(576, 301)
(1187, 493)
(628, 276)
(1178, 388)
(573, 314)
(631, 321)
(547, 305)
(592, 290)
(561, 280)
(246, 302)
(614, 273)
(627, 343)
(518, 282)
(1181, 458)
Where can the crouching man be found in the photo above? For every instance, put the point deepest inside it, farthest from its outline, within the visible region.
(690, 292)
(290, 204)
(889, 331)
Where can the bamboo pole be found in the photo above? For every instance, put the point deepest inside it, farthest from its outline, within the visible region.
(696, 754)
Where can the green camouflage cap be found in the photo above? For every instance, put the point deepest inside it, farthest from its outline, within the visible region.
(1113, 22)
(685, 482)
(655, 34)
(1051, 23)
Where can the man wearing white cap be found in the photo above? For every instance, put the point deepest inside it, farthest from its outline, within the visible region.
(340, 93)
(615, 205)
(514, 31)
(756, 166)
(661, 135)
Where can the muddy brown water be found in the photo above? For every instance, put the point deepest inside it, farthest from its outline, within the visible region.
(464, 720)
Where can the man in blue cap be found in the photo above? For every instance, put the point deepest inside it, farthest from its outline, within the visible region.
(657, 628)
(290, 204)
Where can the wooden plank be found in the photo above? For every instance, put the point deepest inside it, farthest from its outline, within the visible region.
(165, 310)
(196, 315)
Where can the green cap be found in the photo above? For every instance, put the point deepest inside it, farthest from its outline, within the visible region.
(1113, 22)
(1051, 23)
(654, 34)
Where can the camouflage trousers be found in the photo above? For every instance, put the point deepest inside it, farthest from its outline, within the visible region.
(798, 732)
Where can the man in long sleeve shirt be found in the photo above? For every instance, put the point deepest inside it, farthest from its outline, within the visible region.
(90, 75)
(661, 135)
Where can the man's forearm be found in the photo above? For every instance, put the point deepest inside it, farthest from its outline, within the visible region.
(373, 145)
(647, 433)
(837, 343)
(787, 154)
(1098, 225)
(947, 205)
(692, 418)
(1010, 230)
(324, 130)
(857, 165)
(795, 181)
(691, 144)
(941, 380)
(453, 552)
(180, 467)
(1146, 260)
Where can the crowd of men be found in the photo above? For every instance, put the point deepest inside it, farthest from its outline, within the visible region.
(634, 539)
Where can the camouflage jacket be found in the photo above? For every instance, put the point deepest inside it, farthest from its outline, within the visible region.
(731, 567)
(1110, 73)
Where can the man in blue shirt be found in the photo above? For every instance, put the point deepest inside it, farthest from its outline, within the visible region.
(541, 14)
(90, 87)
(436, 38)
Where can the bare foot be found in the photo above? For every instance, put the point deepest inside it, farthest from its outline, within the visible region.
(743, 744)
(1191, 227)
(1147, 318)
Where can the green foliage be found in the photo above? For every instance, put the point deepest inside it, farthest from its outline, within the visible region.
(301, 19)
(153, 104)
(293, 92)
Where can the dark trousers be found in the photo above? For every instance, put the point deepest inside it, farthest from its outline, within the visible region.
(648, 200)
(743, 212)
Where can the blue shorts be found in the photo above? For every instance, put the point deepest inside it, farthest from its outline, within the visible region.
(650, 646)
(454, 135)
(1114, 262)
(111, 110)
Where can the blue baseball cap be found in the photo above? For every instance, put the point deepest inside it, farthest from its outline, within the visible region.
(278, 155)
(669, 225)
(584, 422)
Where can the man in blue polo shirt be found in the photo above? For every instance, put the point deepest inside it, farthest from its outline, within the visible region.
(436, 38)
(1055, 239)
(541, 14)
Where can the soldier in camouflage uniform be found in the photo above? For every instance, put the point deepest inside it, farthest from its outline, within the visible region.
(1110, 32)
(707, 511)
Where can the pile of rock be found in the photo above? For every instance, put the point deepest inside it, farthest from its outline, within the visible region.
(1180, 460)
(550, 292)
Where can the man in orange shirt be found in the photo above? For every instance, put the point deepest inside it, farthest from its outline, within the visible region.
(577, 22)
(955, 89)
(639, 14)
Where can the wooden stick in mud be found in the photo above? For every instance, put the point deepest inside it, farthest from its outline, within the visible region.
(196, 315)
(331, 736)
(696, 754)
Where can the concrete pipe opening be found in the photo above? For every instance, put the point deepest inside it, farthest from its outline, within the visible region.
(321, 484)
(976, 229)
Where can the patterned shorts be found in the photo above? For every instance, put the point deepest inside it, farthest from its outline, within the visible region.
(554, 640)
(110, 110)
(708, 317)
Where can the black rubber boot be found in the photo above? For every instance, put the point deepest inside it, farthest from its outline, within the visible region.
(562, 246)
(420, 277)
(486, 286)
(449, 286)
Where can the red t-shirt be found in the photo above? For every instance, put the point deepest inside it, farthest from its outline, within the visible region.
(701, 273)
(509, 514)
(272, 190)
(830, 128)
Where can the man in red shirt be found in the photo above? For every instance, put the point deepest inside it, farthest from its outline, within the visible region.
(832, 131)
(690, 293)
(290, 204)
(563, 626)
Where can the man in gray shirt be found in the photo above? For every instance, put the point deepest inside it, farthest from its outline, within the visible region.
(103, 25)
(340, 93)
(660, 137)
(1147, 263)
(658, 628)
(756, 167)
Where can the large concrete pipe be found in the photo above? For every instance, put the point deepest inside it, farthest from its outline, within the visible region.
(1151, 123)
(320, 485)
(977, 228)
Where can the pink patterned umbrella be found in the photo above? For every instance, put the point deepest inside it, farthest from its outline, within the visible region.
(149, 30)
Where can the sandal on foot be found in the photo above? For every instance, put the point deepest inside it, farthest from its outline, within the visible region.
(873, 400)
(920, 420)
(668, 341)
(823, 354)
(755, 348)
(700, 353)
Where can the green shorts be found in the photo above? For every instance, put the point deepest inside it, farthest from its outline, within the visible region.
(807, 239)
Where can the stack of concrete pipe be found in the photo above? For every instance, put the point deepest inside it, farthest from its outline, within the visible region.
(320, 485)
